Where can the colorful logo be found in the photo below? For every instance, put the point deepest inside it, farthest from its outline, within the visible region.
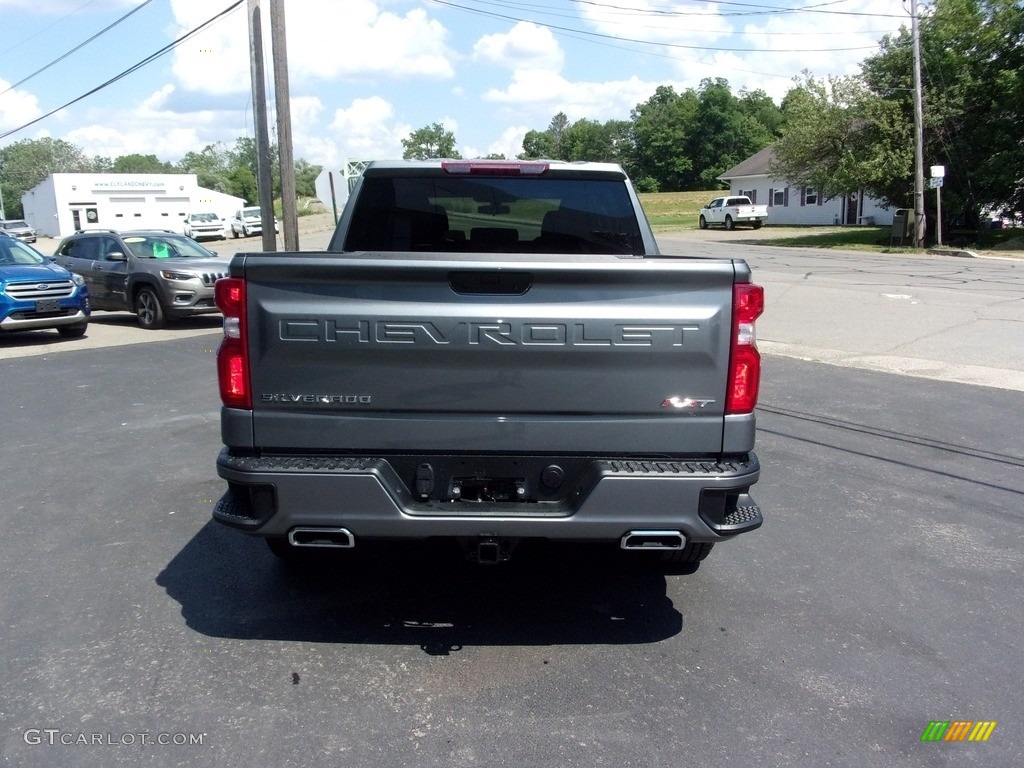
(958, 730)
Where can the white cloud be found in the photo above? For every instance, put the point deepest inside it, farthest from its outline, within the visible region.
(149, 129)
(346, 38)
(166, 143)
(682, 23)
(340, 39)
(510, 143)
(216, 60)
(526, 46)
(542, 94)
(17, 107)
(367, 130)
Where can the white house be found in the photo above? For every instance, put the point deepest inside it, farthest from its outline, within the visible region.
(65, 202)
(789, 204)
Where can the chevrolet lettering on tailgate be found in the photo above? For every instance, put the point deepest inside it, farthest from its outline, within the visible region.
(481, 332)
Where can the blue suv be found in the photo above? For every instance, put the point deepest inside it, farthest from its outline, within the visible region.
(35, 293)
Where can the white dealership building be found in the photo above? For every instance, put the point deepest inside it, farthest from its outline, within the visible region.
(66, 202)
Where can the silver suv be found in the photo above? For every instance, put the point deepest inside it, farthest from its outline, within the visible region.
(18, 228)
(157, 275)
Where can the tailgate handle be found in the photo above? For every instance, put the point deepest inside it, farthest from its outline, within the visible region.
(491, 282)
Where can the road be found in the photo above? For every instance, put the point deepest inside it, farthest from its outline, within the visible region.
(883, 592)
(940, 317)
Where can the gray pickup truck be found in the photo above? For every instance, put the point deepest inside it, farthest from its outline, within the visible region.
(490, 352)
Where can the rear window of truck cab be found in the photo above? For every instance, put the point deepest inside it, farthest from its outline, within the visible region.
(494, 214)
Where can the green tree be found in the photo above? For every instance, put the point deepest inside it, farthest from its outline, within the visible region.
(557, 129)
(721, 135)
(592, 141)
(759, 106)
(245, 156)
(242, 183)
(840, 139)
(210, 165)
(305, 178)
(536, 145)
(136, 163)
(972, 55)
(429, 142)
(661, 127)
(100, 164)
(28, 162)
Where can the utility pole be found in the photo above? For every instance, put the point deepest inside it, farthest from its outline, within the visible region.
(3, 214)
(282, 103)
(920, 225)
(259, 110)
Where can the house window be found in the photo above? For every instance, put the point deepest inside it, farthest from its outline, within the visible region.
(810, 196)
(779, 197)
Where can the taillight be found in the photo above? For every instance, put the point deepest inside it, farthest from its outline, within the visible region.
(233, 354)
(744, 360)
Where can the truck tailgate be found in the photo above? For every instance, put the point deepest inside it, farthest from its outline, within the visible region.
(419, 352)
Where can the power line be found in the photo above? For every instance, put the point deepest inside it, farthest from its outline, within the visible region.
(619, 38)
(149, 59)
(77, 47)
(657, 16)
(36, 34)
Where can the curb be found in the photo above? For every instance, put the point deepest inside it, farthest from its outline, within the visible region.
(949, 252)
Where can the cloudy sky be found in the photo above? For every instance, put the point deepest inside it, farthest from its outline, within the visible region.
(365, 73)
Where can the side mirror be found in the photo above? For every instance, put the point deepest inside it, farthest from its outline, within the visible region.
(116, 256)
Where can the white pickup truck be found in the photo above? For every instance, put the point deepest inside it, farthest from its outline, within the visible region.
(730, 211)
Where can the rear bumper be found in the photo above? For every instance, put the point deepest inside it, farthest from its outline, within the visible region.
(706, 500)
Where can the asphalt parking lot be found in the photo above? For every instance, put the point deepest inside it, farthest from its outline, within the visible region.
(881, 595)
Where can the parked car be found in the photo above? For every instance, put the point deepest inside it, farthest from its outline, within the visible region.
(36, 294)
(204, 224)
(248, 221)
(18, 228)
(158, 275)
(730, 211)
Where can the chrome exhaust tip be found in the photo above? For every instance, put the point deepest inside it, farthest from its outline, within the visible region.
(653, 540)
(310, 536)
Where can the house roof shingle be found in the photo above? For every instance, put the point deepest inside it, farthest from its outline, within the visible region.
(755, 165)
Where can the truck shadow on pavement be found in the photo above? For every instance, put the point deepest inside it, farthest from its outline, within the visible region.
(425, 595)
(213, 321)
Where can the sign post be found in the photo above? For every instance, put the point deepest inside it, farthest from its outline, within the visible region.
(938, 173)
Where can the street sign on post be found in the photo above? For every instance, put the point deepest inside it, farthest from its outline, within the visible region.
(938, 173)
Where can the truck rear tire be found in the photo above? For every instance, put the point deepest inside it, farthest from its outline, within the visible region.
(757, 225)
(691, 553)
(729, 223)
(683, 561)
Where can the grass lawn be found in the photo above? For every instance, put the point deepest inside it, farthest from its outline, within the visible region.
(675, 211)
